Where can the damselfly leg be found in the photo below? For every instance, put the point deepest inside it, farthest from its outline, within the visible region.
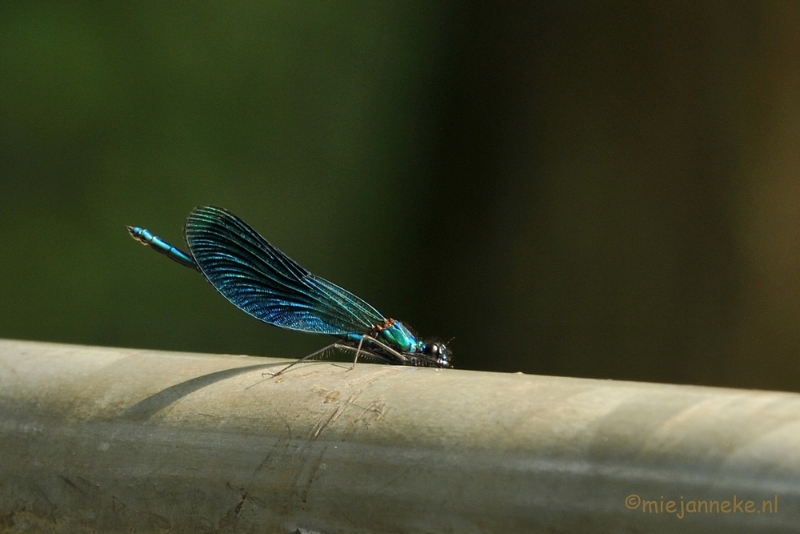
(358, 349)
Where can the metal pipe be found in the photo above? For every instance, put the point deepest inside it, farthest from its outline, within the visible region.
(123, 440)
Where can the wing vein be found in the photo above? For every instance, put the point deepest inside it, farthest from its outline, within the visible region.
(265, 283)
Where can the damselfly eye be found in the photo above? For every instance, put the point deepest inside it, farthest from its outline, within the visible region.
(438, 353)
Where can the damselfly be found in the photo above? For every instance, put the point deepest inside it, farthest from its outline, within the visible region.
(261, 280)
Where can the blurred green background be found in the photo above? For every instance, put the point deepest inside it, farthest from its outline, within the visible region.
(596, 189)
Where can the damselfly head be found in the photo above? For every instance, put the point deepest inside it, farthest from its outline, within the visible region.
(438, 355)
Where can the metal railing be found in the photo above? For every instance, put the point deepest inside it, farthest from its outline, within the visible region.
(123, 440)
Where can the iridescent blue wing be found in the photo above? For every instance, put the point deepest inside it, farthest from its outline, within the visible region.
(266, 283)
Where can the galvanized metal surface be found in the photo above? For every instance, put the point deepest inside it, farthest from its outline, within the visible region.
(122, 440)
